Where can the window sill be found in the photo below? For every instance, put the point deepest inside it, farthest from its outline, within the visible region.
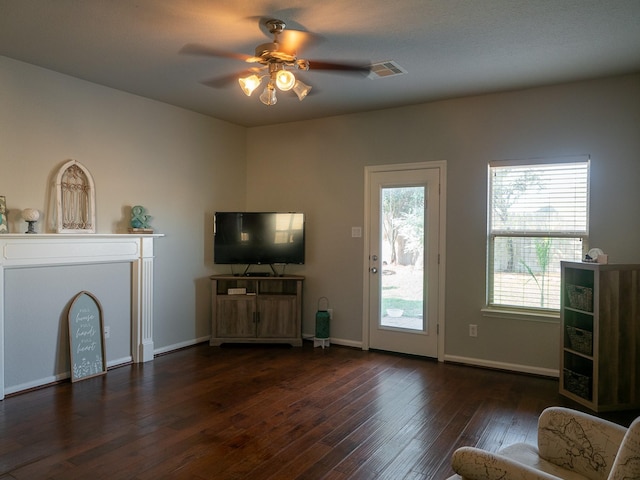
(527, 315)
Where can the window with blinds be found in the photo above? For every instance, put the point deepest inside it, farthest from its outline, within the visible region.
(538, 216)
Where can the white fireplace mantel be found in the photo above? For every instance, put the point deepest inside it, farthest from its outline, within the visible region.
(41, 250)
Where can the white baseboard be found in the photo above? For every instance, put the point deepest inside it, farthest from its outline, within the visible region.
(337, 341)
(476, 362)
(36, 383)
(57, 378)
(189, 343)
(511, 367)
(346, 343)
(119, 361)
(178, 346)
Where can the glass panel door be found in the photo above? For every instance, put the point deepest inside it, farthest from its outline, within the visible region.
(403, 260)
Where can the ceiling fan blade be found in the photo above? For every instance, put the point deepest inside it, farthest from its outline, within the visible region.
(197, 49)
(339, 67)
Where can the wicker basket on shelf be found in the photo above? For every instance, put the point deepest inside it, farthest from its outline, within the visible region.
(580, 298)
(580, 340)
(577, 383)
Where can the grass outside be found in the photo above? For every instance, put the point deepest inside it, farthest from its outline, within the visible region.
(402, 289)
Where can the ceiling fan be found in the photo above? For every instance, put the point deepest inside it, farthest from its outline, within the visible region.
(277, 59)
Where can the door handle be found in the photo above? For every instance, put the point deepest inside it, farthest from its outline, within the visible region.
(374, 270)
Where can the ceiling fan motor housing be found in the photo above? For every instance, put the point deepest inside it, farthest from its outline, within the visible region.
(275, 26)
(266, 49)
(270, 52)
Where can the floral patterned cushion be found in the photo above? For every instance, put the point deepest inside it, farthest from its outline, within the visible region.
(571, 446)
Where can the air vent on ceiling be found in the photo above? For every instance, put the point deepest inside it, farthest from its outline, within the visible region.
(386, 69)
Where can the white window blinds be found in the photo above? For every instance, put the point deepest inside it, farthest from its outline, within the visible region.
(538, 215)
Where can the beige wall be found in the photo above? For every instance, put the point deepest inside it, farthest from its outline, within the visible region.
(184, 166)
(180, 165)
(321, 172)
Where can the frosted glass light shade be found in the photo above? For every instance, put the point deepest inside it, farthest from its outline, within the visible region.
(301, 89)
(285, 80)
(268, 97)
(249, 84)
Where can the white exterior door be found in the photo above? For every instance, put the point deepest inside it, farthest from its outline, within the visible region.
(403, 272)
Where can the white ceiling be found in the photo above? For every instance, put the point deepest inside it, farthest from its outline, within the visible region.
(449, 48)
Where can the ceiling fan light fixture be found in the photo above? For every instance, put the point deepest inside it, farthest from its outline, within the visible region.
(268, 96)
(285, 80)
(249, 84)
(276, 61)
(301, 89)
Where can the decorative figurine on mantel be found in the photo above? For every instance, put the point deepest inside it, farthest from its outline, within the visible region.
(31, 216)
(140, 220)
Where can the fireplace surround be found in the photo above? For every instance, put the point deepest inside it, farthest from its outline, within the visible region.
(51, 250)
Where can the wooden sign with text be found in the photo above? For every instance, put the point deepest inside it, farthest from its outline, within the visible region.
(86, 337)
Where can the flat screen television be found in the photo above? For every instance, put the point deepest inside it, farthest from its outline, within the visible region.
(256, 238)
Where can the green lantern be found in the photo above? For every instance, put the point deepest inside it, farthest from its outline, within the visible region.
(322, 320)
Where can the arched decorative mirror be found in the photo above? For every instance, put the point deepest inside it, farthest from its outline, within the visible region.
(75, 199)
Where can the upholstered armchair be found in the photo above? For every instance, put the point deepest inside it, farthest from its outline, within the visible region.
(571, 445)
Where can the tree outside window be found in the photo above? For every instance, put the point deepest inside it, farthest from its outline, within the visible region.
(538, 216)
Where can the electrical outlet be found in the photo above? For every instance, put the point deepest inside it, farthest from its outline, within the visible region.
(330, 310)
(473, 330)
(107, 332)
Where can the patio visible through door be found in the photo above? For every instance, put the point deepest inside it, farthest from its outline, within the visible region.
(403, 276)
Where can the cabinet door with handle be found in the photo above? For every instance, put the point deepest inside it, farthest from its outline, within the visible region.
(236, 316)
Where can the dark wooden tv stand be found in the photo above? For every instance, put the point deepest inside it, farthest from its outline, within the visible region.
(256, 309)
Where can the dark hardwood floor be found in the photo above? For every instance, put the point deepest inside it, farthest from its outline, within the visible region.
(261, 412)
